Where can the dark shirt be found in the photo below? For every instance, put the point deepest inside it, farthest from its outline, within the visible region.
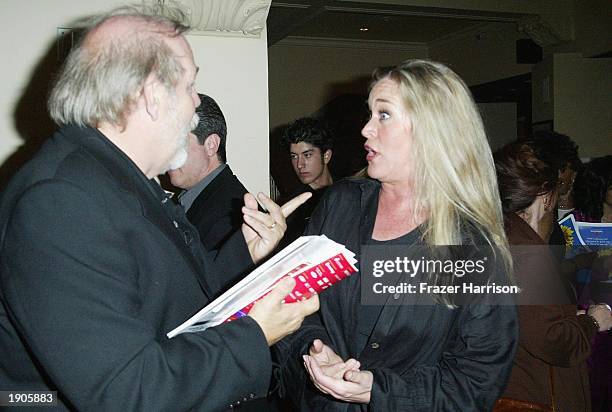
(367, 315)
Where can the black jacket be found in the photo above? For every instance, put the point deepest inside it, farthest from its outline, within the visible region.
(217, 211)
(423, 357)
(95, 273)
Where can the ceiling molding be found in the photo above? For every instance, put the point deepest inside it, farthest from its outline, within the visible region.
(310, 10)
(429, 12)
(471, 31)
(232, 17)
(280, 32)
(473, 6)
(290, 5)
(325, 42)
(543, 32)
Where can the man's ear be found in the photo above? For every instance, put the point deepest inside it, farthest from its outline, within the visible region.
(327, 156)
(212, 143)
(151, 94)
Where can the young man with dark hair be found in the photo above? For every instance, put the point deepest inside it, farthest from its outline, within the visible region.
(310, 144)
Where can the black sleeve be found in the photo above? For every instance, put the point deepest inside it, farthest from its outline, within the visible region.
(470, 376)
(230, 263)
(71, 290)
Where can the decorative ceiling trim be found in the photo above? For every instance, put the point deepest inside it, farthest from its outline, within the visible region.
(543, 32)
(471, 31)
(232, 17)
(290, 5)
(353, 44)
(430, 12)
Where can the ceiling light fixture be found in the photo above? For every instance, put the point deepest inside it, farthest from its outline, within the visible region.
(363, 28)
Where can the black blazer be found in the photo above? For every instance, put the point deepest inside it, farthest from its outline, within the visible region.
(94, 274)
(217, 211)
(424, 357)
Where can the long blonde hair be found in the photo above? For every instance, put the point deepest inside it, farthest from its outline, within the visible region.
(452, 159)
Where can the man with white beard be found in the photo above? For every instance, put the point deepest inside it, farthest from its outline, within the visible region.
(97, 265)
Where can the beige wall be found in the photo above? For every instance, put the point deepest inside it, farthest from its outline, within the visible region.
(304, 78)
(483, 54)
(592, 29)
(233, 70)
(579, 100)
(27, 45)
(542, 91)
(582, 102)
(500, 123)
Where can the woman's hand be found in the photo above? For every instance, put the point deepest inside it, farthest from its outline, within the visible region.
(331, 375)
(330, 363)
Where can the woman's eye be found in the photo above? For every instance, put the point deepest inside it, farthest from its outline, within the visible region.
(383, 115)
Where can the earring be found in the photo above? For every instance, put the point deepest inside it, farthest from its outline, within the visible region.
(547, 205)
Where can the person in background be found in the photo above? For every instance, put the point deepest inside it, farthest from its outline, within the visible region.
(593, 191)
(212, 195)
(431, 182)
(561, 152)
(549, 371)
(97, 265)
(593, 203)
(309, 143)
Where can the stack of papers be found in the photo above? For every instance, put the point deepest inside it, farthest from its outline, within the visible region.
(315, 262)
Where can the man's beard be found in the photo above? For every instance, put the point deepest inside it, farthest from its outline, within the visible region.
(180, 156)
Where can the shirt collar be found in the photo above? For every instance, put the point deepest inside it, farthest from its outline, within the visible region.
(187, 197)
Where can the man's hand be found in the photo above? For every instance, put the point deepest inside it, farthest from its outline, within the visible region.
(262, 231)
(343, 380)
(277, 319)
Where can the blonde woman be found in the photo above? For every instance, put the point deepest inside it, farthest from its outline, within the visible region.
(431, 181)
